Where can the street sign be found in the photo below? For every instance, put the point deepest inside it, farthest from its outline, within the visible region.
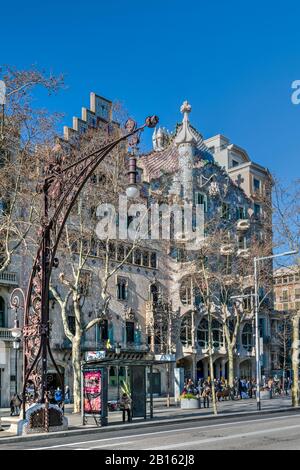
(94, 355)
(165, 357)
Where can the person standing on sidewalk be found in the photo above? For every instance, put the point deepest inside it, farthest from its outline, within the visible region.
(125, 405)
(12, 406)
(67, 395)
(205, 394)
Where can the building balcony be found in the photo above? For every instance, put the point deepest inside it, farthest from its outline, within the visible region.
(135, 347)
(89, 345)
(257, 194)
(243, 252)
(188, 349)
(227, 249)
(243, 225)
(5, 334)
(8, 279)
(215, 350)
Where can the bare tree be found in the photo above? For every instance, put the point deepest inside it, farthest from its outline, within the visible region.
(23, 128)
(283, 339)
(287, 235)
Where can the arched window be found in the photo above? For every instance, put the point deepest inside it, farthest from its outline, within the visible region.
(103, 330)
(247, 337)
(2, 313)
(122, 288)
(202, 334)
(186, 330)
(217, 334)
(153, 293)
(189, 291)
(129, 332)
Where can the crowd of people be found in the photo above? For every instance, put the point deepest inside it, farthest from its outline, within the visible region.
(243, 388)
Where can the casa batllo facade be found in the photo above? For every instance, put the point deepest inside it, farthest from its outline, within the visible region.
(220, 176)
(155, 282)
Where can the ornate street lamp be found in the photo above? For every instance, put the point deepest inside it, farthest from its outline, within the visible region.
(16, 332)
(60, 189)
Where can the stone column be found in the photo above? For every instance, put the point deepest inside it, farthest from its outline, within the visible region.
(205, 368)
(194, 367)
(237, 368)
(223, 364)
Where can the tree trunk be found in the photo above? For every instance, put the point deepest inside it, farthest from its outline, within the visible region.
(295, 362)
(230, 366)
(211, 365)
(168, 386)
(284, 357)
(76, 359)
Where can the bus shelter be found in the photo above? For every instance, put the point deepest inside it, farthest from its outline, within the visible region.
(139, 380)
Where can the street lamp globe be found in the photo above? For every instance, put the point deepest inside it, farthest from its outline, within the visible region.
(16, 331)
(132, 191)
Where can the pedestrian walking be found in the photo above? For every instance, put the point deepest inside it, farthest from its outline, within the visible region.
(18, 403)
(15, 404)
(67, 394)
(286, 386)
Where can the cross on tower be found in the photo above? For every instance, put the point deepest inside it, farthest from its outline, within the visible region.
(239, 180)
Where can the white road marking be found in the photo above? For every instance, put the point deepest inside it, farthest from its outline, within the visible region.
(169, 431)
(224, 438)
(106, 445)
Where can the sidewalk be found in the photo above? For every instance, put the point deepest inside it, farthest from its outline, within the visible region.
(164, 415)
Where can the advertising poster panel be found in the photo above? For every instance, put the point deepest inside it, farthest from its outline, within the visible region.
(92, 392)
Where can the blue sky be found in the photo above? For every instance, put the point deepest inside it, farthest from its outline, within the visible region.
(234, 61)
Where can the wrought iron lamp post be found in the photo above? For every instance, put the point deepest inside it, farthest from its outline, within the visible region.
(60, 190)
(16, 331)
(16, 345)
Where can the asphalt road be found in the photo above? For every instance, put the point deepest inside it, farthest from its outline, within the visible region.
(275, 431)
